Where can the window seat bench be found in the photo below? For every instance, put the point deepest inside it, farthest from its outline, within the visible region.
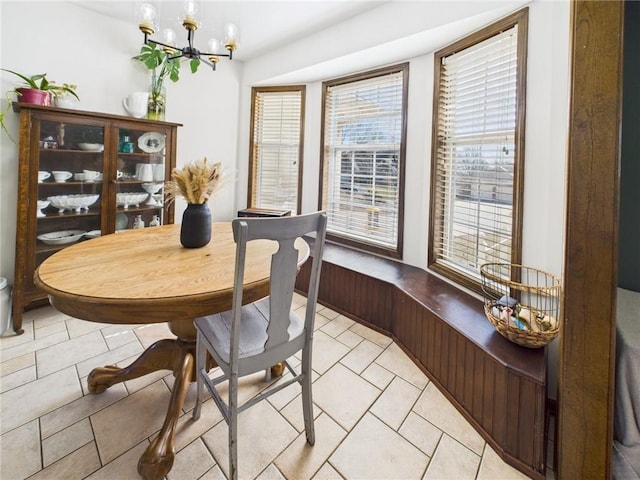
(498, 386)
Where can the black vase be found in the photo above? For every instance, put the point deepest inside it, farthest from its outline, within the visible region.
(195, 230)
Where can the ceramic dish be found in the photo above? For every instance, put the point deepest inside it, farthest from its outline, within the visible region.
(77, 202)
(61, 238)
(91, 147)
(133, 198)
(151, 142)
(93, 234)
(42, 204)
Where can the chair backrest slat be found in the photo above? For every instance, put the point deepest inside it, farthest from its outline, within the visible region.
(283, 272)
(284, 261)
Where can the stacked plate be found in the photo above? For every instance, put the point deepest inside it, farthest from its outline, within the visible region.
(62, 237)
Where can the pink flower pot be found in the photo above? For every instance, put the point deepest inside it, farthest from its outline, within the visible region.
(37, 97)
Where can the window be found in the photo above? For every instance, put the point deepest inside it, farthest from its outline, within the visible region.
(275, 163)
(362, 159)
(477, 157)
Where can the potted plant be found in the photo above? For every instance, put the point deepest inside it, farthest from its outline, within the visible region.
(162, 66)
(37, 89)
(65, 95)
(197, 182)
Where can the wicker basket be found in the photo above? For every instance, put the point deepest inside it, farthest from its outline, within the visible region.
(524, 311)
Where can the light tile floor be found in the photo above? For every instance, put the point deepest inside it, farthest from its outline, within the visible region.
(377, 416)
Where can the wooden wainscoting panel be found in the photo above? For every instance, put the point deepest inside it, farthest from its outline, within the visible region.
(496, 385)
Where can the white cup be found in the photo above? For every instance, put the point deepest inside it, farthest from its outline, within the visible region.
(61, 175)
(42, 176)
(119, 174)
(90, 175)
(136, 104)
(79, 177)
(144, 172)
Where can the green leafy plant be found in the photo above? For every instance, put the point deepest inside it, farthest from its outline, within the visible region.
(35, 82)
(2, 124)
(40, 82)
(162, 66)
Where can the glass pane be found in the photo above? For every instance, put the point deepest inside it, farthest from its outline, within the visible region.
(139, 177)
(70, 185)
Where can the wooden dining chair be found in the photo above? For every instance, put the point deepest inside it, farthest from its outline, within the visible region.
(254, 337)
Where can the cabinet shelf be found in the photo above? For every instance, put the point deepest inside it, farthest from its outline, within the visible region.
(67, 214)
(141, 155)
(70, 183)
(133, 181)
(70, 150)
(44, 125)
(141, 208)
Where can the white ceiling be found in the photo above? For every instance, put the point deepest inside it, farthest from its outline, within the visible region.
(415, 27)
(263, 24)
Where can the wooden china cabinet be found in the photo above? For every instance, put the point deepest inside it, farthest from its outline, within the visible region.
(82, 175)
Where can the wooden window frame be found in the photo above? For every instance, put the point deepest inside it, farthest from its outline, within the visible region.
(344, 240)
(255, 91)
(519, 18)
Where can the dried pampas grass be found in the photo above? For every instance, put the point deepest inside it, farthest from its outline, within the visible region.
(196, 182)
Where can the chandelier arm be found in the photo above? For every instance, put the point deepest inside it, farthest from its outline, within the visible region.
(209, 54)
(207, 62)
(151, 40)
(180, 54)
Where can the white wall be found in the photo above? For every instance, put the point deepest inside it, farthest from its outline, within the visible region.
(75, 45)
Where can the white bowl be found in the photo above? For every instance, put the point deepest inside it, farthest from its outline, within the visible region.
(77, 202)
(61, 238)
(152, 187)
(91, 147)
(131, 198)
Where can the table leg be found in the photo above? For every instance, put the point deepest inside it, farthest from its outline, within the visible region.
(169, 354)
(157, 459)
(162, 355)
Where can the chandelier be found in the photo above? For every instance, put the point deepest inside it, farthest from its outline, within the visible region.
(146, 17)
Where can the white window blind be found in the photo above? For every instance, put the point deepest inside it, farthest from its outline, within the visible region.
(276, 149)
(363, 133)
(475, 156)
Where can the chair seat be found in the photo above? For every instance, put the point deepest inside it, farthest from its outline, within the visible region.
(253, 336)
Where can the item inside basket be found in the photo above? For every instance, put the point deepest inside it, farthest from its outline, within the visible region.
(520, 316)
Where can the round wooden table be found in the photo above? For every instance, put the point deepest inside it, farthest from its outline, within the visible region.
(146, 276)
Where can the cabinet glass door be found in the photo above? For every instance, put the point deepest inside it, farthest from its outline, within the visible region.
(69, 185)
(140, 179)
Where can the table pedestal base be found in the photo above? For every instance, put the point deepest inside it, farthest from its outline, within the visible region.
(176, 355)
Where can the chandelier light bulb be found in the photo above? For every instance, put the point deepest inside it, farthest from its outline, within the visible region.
(213, 45)
(190, 8)
(231, 37)
(169, 36)
(146, 16)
